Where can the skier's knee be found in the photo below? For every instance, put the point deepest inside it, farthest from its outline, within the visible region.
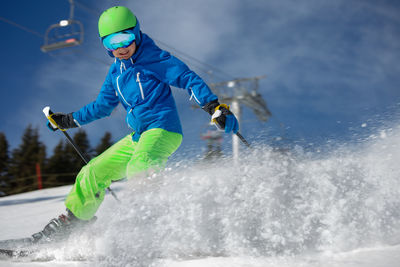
(143, 164)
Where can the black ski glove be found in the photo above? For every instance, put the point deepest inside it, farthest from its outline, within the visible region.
(63, 121)
(210, 107)
(224, 118)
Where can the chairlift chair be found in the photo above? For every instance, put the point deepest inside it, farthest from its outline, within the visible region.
(53, 40)
(67, 33)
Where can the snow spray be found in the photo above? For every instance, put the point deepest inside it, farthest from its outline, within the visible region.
(273, 203)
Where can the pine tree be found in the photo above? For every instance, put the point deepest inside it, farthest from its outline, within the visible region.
(72, 161)
(58, 169)
(24, 159)
(65, 163)
(4, 161)
(105, 143)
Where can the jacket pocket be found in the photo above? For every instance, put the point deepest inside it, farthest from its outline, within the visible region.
(130, 93)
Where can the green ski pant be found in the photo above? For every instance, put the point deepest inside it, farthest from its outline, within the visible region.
(125, 158)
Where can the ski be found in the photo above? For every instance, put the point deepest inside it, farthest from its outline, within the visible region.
(11, 253)
(16, 248)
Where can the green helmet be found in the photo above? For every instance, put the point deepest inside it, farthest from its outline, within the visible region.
(116, 19)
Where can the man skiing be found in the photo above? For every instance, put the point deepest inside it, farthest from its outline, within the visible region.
(140, 80)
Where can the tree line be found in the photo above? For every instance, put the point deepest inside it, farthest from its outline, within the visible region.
(20, 168)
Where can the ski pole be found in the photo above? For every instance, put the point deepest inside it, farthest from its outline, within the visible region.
(242, 139)
(47, 112)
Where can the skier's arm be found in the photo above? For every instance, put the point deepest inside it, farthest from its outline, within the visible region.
(174, 72)
(178, 74)
(104, 104)
(197, 88)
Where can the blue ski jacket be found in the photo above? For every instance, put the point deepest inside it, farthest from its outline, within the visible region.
(142, 85)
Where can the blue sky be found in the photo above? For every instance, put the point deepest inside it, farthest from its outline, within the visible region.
(332, 67)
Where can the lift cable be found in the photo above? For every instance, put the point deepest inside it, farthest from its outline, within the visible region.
(21, 27)
(195, 59)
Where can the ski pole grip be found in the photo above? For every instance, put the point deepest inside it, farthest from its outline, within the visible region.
(47, 112)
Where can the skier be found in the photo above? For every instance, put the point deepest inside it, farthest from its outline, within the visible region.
(140, 80)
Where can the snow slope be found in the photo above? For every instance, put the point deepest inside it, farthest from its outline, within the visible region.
(272, 209)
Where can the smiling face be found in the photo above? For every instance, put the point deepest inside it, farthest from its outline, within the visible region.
(125, 52)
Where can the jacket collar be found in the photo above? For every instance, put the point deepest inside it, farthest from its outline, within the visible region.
(124, 64)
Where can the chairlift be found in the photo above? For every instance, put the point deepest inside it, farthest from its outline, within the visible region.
(66, 33)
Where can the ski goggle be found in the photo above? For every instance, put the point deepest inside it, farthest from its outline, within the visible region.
(117, 40)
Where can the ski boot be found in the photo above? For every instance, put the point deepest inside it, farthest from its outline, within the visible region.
(60, 228)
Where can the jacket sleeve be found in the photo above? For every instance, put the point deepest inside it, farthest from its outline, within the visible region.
(174, 72)
(104, 104)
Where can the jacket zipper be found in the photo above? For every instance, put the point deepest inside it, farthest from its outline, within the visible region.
(120, 93)
(127, 122)
(140, 84)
